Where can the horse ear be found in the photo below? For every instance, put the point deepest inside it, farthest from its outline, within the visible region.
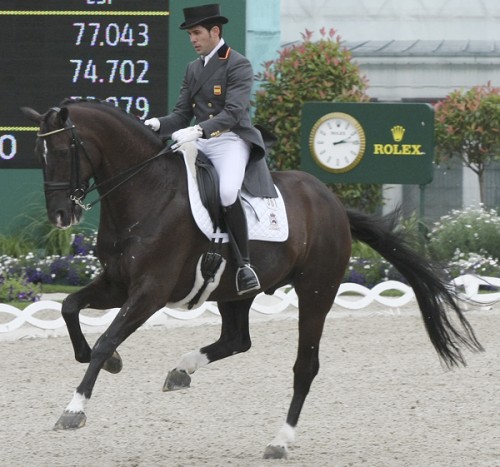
(32, 115)
(63, 114)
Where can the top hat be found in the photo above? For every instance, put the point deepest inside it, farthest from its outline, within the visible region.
(202, 14)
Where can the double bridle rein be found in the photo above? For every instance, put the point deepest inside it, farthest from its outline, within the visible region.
(79, 189)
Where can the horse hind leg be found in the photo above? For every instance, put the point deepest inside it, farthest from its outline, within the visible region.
(234, 338)
(312, 315)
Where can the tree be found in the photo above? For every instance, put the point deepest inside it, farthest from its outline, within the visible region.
(467, 126)
(310, 71)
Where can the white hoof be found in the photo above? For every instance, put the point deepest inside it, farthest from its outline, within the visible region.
(278, 447)
(275, 452)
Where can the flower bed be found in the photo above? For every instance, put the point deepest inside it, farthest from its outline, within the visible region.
(21, 277)
(468, 242)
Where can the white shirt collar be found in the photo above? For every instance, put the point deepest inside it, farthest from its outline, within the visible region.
(206, 58)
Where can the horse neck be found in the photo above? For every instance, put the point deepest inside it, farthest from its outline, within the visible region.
(151, 200)
(118, 145)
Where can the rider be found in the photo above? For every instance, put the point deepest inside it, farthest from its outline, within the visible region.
(216, 92)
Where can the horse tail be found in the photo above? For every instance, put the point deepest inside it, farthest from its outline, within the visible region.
(433, 292)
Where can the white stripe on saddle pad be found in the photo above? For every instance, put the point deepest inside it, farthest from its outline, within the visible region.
(266, 217)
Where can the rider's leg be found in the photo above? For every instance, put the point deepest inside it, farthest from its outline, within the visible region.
(246, 278)
(229, 155)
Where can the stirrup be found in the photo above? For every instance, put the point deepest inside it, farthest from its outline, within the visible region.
(246, 280)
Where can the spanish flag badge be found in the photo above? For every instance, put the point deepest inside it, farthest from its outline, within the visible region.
(217, 90)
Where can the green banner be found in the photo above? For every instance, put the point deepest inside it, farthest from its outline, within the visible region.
(368, 142)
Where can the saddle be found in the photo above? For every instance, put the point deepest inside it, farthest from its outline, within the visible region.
(257, 182)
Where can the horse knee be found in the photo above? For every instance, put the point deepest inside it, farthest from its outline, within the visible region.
(102, 350)
(69, 307)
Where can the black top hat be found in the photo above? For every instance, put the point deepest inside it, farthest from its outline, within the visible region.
(202, 14)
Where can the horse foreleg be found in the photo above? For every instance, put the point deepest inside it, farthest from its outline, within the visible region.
(305, 369)
(234, 338)
(99, 294)
(133, 314)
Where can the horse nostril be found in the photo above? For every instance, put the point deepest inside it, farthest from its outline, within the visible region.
(60, 219)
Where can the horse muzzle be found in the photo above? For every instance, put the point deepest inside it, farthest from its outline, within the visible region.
(64, 215)
(62, 211)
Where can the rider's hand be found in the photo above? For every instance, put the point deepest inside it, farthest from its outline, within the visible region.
(153, 123)
(186, 135)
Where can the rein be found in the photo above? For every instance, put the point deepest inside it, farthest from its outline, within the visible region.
(131, 172)
(79, 190)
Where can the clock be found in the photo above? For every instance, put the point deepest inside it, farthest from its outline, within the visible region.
(337, 142)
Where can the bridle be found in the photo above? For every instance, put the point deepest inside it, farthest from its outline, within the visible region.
(79, 189)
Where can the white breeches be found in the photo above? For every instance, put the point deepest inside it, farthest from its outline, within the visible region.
(229, 154)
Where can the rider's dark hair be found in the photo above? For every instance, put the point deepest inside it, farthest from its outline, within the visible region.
(209, 26)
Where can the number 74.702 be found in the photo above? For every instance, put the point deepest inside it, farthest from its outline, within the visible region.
(125, 71)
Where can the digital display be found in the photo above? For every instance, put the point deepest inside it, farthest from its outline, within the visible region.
(114, 50)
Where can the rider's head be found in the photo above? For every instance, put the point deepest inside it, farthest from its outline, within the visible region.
(204, 26)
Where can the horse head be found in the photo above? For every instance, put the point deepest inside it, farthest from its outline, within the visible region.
(60, 152)
(115, 142)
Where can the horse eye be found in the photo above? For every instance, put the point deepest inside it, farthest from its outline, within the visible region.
(60, 153)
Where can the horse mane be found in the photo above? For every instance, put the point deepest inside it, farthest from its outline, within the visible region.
(112, 108)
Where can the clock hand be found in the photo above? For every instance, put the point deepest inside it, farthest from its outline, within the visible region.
(345, 140)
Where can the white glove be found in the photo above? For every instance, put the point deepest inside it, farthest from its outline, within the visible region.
(153, 123)
(186, 135)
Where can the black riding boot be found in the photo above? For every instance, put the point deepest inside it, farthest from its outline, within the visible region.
(236, 223)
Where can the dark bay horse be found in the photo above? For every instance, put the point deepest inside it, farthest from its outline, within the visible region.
(149, 245)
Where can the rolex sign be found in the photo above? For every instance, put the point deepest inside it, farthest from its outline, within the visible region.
(368, 142)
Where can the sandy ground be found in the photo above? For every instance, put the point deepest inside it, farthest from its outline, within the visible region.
(381, 398)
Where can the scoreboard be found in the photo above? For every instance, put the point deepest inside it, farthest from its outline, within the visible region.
(114, 50)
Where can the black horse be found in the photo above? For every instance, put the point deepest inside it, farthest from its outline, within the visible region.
(149, 246)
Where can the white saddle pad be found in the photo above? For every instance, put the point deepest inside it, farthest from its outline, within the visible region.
(266, 217)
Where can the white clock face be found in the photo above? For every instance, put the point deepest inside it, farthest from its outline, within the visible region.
(337, 142)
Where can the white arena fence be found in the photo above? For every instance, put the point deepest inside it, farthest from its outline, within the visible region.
(351, 296)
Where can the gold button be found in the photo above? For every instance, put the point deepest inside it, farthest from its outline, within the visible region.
(210, 104)
(215, 133)
(194, 105)
(210, 116)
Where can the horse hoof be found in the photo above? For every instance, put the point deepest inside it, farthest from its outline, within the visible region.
(176, 379)
(71, 421)
(113, 364)
(275, 452)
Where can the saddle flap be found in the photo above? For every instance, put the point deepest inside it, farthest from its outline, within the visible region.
(208, 186)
